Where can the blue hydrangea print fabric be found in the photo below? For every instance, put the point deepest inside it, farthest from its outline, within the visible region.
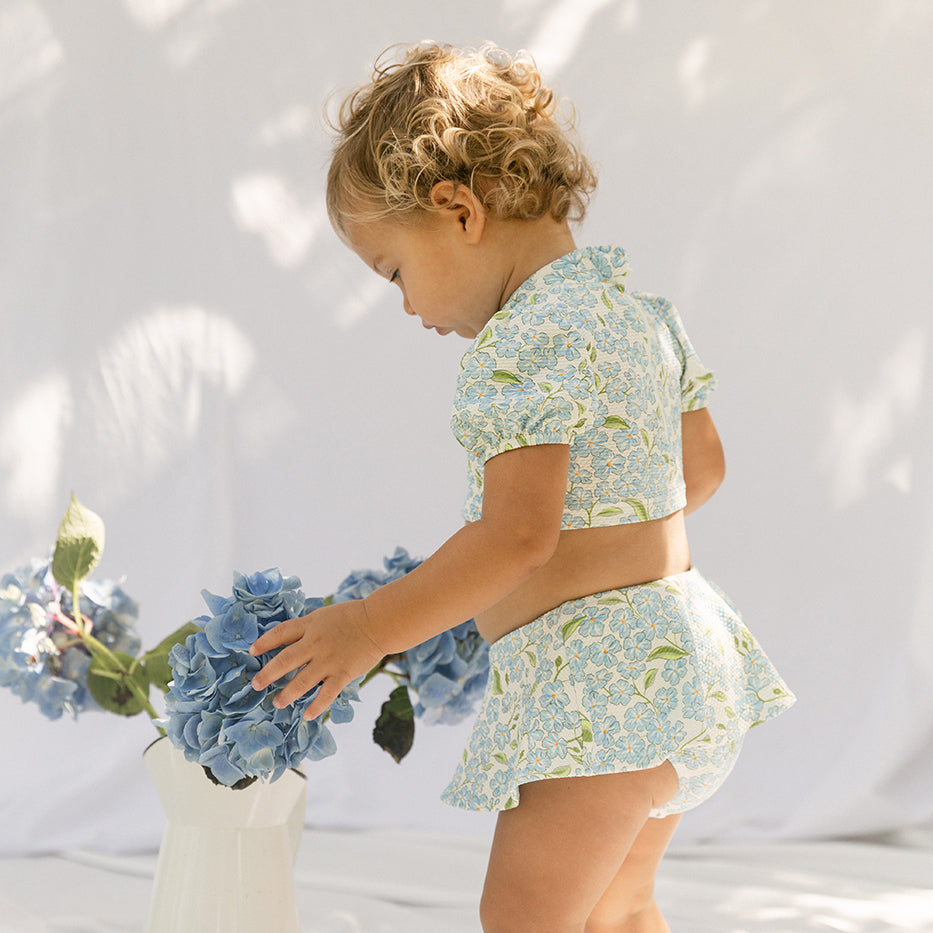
(630, 678)
(573, 358)
(620, 681)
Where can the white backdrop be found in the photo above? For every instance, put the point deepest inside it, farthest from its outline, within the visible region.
(187, 345)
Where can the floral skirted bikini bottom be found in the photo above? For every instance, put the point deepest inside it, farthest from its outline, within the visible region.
(620, 681)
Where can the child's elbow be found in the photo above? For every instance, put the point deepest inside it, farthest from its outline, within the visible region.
(532, 546)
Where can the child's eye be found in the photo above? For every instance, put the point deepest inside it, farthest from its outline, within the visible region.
(395, 276)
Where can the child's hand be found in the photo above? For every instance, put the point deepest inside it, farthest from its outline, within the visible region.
(331, 647)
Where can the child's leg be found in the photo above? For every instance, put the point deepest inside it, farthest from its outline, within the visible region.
(628, 906)
(554, 855)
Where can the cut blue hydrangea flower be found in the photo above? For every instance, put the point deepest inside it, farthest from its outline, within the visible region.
(448, 671)
(212, 711)
(41, 659)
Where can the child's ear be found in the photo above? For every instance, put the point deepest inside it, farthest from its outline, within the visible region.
(458, 202)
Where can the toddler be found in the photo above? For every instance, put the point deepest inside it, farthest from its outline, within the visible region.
(622, 682)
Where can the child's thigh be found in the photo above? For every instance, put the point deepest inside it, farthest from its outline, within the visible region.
(555, 854)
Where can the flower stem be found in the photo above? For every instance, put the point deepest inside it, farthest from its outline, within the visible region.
(380, 668)
(99, 649)
(76, 609)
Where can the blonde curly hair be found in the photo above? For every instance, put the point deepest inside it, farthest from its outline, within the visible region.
(479, 118)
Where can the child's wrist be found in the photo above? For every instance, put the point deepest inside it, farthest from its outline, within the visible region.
(365, 627)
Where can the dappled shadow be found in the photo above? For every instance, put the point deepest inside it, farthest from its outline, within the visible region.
(187, 344)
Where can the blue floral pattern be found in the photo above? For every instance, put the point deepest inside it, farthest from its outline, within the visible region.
(573, 358)
(620, 681)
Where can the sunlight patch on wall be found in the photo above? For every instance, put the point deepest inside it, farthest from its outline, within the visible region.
(629, 15)
(561, 32)
(188, 25)
(360, 302)
(28, 47)
(151, 396)
(32, 433)
(861, 442)
(263, 204)
(801, 155)
(290, 123)
(157, 14)
(694, 70)
(154, 14)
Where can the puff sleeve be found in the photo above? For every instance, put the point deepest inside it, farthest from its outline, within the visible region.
(525, 381)
(696, 381)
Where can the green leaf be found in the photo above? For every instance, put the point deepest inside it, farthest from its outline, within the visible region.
(606, 301)
(502, 759)
(719, 695)
(568, 628)
(155, 661)
(111, 688)
(485, 339)
(562, 771)
(650, 676)
(503, 375)
(497, 682)
(587, 732)
(612, 510)
(668, 653)
(79, 545)
(639, 508)
(394, 731)
(614, 421)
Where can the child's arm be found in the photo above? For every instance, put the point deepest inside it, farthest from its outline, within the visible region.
(704, 463)
(523, 503)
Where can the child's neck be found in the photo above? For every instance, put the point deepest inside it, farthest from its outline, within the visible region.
(525, 246)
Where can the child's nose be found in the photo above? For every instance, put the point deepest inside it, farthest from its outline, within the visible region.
(408, 308)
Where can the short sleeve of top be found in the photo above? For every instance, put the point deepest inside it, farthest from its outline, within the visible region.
(575, 358)
(696, 381)
(525, 382)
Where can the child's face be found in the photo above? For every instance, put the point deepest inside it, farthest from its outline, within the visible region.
(444, 280)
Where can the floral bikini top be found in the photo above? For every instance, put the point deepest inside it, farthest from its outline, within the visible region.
(573, 358)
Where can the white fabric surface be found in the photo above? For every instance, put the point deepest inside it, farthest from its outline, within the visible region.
(187, 345)
(391, 882)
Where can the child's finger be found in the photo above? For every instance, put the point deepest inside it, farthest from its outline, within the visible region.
(303, 682)
(288, 659)
(284, 633)
(330, 690)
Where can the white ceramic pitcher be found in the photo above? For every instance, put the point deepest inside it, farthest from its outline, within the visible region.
(226, 863)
